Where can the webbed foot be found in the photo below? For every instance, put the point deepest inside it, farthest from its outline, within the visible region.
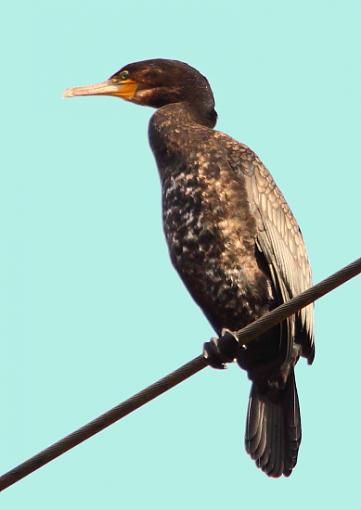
(222, 350)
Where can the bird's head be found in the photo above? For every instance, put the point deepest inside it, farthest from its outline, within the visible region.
(155, 83)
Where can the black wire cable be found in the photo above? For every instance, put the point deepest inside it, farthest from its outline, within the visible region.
(244, 336)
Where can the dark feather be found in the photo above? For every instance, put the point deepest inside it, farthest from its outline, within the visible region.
(273, 430)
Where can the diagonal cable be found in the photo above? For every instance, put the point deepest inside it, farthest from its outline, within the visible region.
(244, 336)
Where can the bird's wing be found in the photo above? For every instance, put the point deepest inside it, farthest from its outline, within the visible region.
(278, 237)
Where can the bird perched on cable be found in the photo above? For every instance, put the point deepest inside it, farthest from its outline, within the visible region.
(233, 240)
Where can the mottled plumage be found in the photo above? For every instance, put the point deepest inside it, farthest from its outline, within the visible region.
(234, 242)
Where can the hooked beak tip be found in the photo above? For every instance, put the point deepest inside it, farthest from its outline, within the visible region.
(67, 93)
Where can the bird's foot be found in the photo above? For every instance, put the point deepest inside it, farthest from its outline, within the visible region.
(222, 350)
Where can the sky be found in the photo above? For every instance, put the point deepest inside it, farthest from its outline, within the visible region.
(92, 310)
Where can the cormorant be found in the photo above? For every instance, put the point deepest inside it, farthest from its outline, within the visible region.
(233, 240)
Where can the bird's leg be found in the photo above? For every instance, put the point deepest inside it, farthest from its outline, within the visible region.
(222, 350)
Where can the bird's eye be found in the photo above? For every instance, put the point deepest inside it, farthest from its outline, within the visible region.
(124, 75)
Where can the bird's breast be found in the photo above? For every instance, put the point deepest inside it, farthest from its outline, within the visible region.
(211, 233)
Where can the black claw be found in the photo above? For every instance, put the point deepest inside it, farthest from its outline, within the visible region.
(219, 351)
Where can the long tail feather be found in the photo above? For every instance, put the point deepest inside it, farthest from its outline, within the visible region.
(273, 430)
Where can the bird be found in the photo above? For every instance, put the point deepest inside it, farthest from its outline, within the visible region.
(233, 240)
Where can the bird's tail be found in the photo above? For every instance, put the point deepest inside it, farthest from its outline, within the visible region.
(273, 430)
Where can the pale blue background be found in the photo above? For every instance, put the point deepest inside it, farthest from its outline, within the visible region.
(91, 308)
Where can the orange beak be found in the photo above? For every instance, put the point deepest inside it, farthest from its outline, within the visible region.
(125, 89)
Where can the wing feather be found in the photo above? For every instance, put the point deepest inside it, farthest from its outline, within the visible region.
(278, 236)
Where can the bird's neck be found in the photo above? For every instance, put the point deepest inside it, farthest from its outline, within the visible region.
(202, 113)
(175, 128)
